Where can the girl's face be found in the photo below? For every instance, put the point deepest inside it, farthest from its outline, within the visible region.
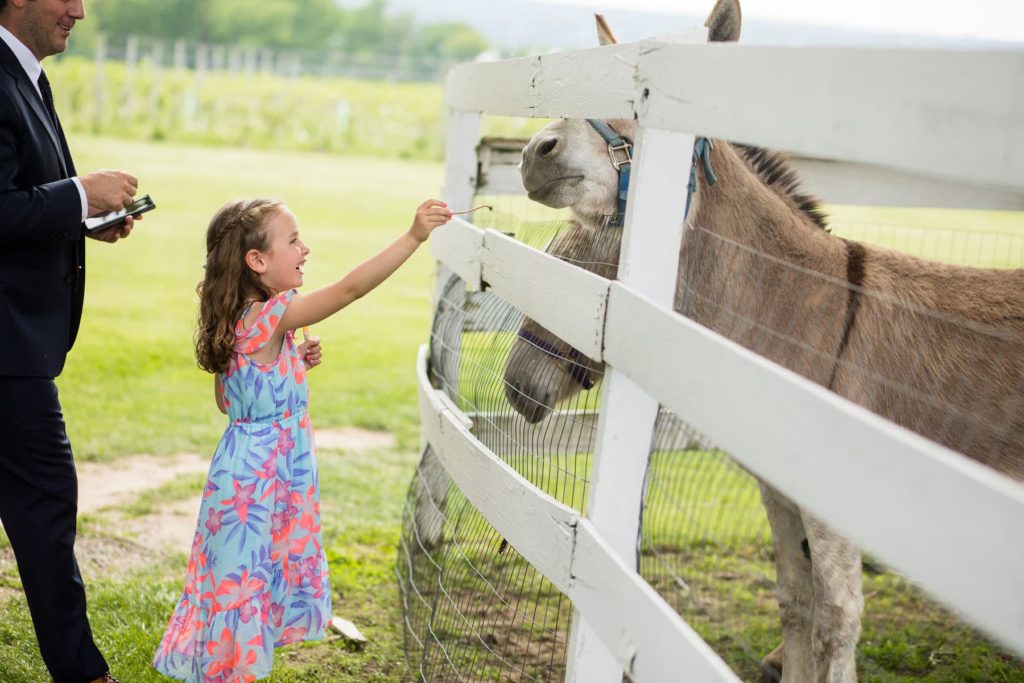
(280, 266)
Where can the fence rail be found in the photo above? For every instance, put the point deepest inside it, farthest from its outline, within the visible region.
(569, 551)
(936, 112)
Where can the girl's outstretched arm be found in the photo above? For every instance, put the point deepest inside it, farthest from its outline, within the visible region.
(309, 309)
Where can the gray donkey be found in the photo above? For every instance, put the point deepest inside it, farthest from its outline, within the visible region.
(936, 348)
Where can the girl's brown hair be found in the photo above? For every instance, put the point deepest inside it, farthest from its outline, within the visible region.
(229, 284)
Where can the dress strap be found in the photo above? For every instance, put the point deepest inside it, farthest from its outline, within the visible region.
(254, 337)
(245, 311)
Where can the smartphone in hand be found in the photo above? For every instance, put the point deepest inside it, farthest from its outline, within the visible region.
(141, 205)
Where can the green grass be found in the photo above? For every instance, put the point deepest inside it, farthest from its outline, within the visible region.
(129, 610)
(906, 637)
(131, 386)
(150, 501)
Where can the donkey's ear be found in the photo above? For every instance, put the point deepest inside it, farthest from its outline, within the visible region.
(604, 31)
(724, 22)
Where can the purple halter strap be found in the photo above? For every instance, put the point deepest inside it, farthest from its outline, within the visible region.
(578, 371)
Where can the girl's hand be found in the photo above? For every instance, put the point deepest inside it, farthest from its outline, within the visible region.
(430, 214)
(310, 353)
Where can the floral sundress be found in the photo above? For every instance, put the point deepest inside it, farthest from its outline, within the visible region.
(257, 572)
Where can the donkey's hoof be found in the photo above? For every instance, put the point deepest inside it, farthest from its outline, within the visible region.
(771, 666)
(770, 672)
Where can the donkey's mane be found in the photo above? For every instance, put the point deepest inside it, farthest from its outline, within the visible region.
(775, 170)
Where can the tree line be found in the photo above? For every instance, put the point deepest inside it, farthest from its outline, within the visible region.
(290, 24)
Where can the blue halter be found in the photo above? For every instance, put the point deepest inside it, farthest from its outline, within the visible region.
(701, 152)
(618, 145)
(620, 151)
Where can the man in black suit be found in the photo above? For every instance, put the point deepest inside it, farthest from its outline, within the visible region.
(42, 279)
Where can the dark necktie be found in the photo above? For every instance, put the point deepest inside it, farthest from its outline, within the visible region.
(47, 93)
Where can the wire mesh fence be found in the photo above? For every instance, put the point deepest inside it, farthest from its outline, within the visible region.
(476, 611)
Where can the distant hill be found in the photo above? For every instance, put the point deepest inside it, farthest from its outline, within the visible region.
(512, 24)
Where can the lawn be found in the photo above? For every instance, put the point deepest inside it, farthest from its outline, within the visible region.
(131, 386)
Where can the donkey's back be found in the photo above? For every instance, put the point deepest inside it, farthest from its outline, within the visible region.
(939, 349)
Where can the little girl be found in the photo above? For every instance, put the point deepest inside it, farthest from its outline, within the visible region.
(257, 573)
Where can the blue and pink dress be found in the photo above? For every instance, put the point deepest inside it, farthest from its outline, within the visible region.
(257, 573)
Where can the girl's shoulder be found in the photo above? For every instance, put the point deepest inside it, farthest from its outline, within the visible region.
(261, 311)
(258, 321)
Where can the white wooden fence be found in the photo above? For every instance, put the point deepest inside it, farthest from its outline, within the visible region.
(954, 119)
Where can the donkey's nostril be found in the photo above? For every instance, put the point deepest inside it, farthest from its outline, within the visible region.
(547, 147)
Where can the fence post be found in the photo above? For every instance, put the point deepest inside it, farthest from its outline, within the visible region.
(460, 171)
(180, 55)
(625, 428)
(202, 61)
(131, 53)
(156, 70)
(218, 57)
(99, 61)
(235, 60)
(649, 264)
(460, 177)
(267, 60)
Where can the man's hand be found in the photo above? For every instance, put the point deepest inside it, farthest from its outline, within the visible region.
(310, 353)
(115, 232)
(109, 190)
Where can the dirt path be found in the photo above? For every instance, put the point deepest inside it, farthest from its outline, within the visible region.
(114, 541)
(103, 487)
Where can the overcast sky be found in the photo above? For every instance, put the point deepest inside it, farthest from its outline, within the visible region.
(993, 19)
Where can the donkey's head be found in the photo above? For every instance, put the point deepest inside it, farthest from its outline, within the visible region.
(575, 164)
(569, 163)
(541, 369)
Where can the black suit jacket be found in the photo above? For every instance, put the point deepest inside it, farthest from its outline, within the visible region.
(42, 243)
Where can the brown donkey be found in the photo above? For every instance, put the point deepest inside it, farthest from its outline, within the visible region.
(936, 348)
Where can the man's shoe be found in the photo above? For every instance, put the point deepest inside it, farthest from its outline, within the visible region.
(107, 678)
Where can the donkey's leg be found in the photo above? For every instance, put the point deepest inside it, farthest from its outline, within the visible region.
(794, 591)
(838, 603)
(771, 665)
